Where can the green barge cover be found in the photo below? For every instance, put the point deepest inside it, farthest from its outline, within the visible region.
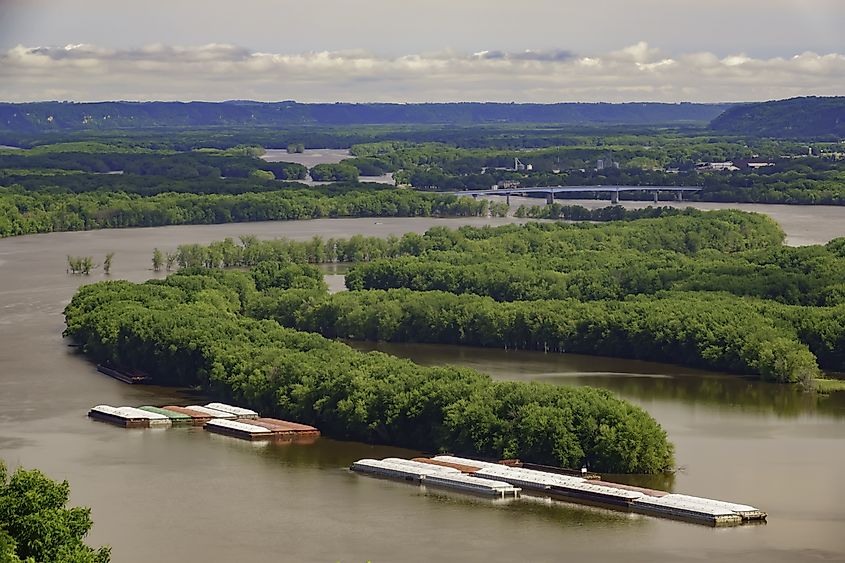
(176, 417)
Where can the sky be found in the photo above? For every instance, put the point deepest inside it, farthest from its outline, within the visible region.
(421, 51)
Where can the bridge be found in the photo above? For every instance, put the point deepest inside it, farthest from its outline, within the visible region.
(550, 191)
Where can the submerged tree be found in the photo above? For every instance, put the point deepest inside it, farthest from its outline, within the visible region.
(35, 525)
(158, 260)
(80, 264)
(170, 260)
(107, 263)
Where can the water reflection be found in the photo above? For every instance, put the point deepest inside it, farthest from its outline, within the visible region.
(633, 379)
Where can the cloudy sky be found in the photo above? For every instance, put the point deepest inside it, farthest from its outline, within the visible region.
(421, 50)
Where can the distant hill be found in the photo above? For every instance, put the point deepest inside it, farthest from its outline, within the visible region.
(69, 116)
(810, 117)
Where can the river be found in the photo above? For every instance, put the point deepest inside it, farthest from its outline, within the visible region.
(189, 494)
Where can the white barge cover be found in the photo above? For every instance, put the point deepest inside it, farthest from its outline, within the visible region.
(239, 426)
(733, 507)
(682, 504)
(468, 483)
(528, 478)
(401, 468)
(237, 411)
(591, 487)
(128, 413)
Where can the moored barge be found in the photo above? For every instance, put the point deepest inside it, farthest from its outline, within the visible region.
(128, 417)
(131, 376)
(237, 429)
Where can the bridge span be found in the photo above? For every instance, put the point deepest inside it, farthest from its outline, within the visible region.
(550, 191)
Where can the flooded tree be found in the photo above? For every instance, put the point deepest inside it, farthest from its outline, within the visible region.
(80, 264)
(107, 263)
(158, 260)
(170, 260)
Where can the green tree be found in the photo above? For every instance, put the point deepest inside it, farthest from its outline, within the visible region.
(35, 525)
(170, 260)
(80, 264)
(107, 263)
(158, 259)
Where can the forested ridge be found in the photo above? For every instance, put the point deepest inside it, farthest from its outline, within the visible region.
(804, 117)
(57, 116)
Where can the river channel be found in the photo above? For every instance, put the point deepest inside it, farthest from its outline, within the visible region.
(182, 494)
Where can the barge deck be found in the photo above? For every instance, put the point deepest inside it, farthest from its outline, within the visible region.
(489, 478)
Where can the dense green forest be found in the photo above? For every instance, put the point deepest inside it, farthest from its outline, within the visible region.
(24, 213)
(808, 117)
(708, 289)
(35, 525)
(91, 185)
(193, 329)
(48, 116)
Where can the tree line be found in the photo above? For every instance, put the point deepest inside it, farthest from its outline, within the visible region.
(190, 329)
(22, 213)
(712, 331)
(637, 289)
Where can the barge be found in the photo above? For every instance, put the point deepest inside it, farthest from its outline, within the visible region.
(393, 468)
(175, 417)
(470, 484)
(239, 412)
(213, 413)
(465, 474)
(238, 429)
(675, 506)
(131, 376)
(128, 417)
(434, 475)
(284, 428)
(197, 418)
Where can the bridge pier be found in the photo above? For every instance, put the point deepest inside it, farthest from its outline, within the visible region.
(508, 199)
(614, 197)
(550, 198)
(656, 198)
(680, 195)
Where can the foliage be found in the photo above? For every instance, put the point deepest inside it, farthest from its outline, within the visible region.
(190, 330)
(334, 173)
(36, 526)
(80, 264)
(107, 263)
(35, 213)
(712, 331)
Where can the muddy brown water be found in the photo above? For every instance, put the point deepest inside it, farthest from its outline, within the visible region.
(170, 495)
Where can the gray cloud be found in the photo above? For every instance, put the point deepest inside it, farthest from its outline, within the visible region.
(555, 55)
(222, 71)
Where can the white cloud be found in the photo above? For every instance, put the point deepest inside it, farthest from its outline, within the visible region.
(221, 71)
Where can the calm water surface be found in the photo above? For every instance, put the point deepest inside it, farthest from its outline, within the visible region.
(166, 495)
